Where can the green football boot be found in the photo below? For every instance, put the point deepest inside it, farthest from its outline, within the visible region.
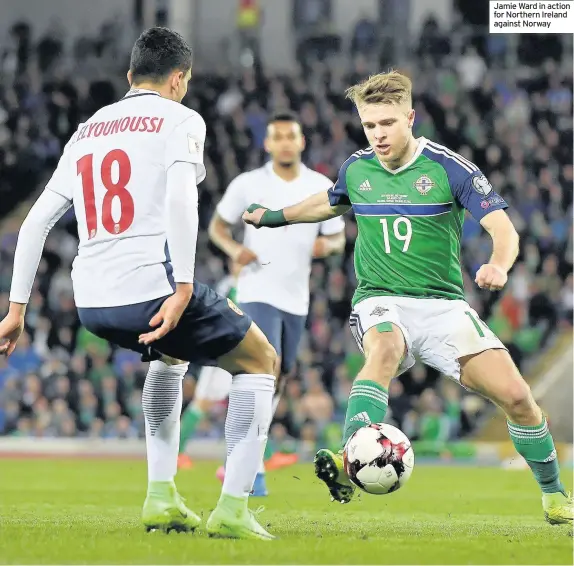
(558, 508)
(165, 510)
(233, 519)
(329, 469)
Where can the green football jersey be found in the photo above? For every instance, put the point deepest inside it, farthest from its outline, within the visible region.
(410, 220)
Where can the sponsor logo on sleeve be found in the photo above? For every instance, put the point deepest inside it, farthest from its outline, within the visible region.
(195, 146)
(492, 201)
(481, 185)
(495, 199)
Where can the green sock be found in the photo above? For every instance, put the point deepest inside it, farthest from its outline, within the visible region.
(535, 445)
(189, 422)
(368, 402)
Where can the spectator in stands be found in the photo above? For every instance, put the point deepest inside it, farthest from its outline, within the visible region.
(364, 37)
(471, 69)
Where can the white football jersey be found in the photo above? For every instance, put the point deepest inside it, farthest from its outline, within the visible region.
(280, 277)
(114, 170)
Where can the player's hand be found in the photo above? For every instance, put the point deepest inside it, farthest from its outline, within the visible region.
(491, 277)
(11, 327)
(244, 256)
(254, 217)
(321, 247)
(166, 318)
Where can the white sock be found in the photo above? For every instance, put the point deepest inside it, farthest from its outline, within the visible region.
(246, 427)
(161, 400)
(274, 406)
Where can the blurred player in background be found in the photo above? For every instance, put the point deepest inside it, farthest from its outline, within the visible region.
(409, 197)
(275, 265)
(131, 172)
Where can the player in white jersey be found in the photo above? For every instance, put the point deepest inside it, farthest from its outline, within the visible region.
(273, 284)
(131, 172)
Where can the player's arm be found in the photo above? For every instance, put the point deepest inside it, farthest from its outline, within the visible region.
(505, 247)
(219, 232)
(182, 218)
(45, 212)
(51, 205)
(227, 214)
(476, 194)
(331, 239)
(317, 208)
(184, 171)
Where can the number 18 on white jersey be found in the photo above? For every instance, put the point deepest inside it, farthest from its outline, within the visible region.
(114, 170)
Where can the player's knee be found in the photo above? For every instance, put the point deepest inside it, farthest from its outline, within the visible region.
(517, 400)
(385, 352)
(267, 358)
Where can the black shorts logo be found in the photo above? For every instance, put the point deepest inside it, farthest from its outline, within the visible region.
(234, 307)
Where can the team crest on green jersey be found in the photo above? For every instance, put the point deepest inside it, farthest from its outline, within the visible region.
(424, 184)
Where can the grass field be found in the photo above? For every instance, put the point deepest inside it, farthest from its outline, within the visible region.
(62, 512)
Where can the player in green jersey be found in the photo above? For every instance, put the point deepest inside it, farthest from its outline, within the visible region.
(409, 196)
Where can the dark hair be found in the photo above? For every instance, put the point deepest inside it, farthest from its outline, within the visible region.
(158, 52)
(283, 116)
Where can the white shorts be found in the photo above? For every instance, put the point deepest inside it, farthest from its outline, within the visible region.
(213, 384)
(437, 331)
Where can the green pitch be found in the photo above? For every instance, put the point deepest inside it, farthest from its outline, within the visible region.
(64, 512)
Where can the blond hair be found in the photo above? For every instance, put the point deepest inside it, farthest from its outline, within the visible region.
(385, 88)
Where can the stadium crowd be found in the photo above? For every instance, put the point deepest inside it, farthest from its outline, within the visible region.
(515, 124)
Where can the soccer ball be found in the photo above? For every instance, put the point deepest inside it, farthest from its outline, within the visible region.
(379, 458)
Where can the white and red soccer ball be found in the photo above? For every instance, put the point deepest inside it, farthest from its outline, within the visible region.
(379, 458)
